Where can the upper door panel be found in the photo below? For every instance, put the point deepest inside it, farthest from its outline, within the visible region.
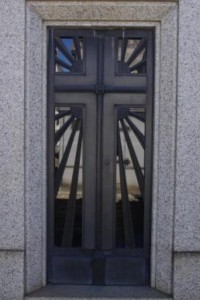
(75, 61)
(126, 60)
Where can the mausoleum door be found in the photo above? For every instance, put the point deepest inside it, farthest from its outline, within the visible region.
(99, 156)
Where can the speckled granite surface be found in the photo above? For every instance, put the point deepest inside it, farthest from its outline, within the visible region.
(97, 292)
(12, 124)
(11, 275)
(62, 13)
(187, 218)
(35, 151)
(186, 276)
(12, 121)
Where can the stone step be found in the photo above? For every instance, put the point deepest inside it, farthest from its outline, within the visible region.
(66, 292)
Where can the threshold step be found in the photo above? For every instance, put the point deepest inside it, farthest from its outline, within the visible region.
(64, 292)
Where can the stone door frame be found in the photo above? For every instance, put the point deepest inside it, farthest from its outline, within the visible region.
(163, 17)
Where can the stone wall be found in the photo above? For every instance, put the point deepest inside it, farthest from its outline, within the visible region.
(176, 217)
(12, 154)
(187, 206)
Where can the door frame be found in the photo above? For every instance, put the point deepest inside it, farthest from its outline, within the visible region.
(119, 86)
(164, 18)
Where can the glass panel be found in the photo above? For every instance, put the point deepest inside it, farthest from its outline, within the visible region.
(131, 56)
(68, 176)
(69, 55)
(130, 177)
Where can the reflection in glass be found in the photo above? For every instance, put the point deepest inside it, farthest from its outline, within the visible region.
(68, 176)
(131, 56)
(130, 177)
(69, 54)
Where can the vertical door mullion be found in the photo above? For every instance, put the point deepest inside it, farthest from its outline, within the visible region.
(99, 133)
(108, 179)
(108, 155)
(89, 174)
(89, 152)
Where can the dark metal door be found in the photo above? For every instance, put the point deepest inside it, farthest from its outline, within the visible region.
(100, 86)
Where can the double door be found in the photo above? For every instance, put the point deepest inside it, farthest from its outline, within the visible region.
(99, 148)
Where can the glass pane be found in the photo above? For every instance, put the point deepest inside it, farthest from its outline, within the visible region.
(130, 177)
(68, 176)
(69, 55)
(131, 56)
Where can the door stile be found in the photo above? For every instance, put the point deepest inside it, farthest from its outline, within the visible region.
(89, 157)
(50, 154)
(148, 152)
(108, 182)
(99, 112)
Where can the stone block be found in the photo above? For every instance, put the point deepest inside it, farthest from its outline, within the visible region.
(12, 40)
(11, 275)
(35, 153)
(107, 11)
(186, 276)
(64, 292)
(165, 160)
(187, 216)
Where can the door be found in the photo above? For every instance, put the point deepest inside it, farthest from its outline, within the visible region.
(100, 86)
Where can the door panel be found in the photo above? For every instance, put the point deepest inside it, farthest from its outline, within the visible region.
(110, 131)
(114, 74)
(99, 143)
(75, 194)
(83, 71)
(127, 270)
(73, 269)
(89, 161)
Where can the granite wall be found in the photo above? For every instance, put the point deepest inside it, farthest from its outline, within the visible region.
(22, 176)
(187, 208)
(12, 154)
